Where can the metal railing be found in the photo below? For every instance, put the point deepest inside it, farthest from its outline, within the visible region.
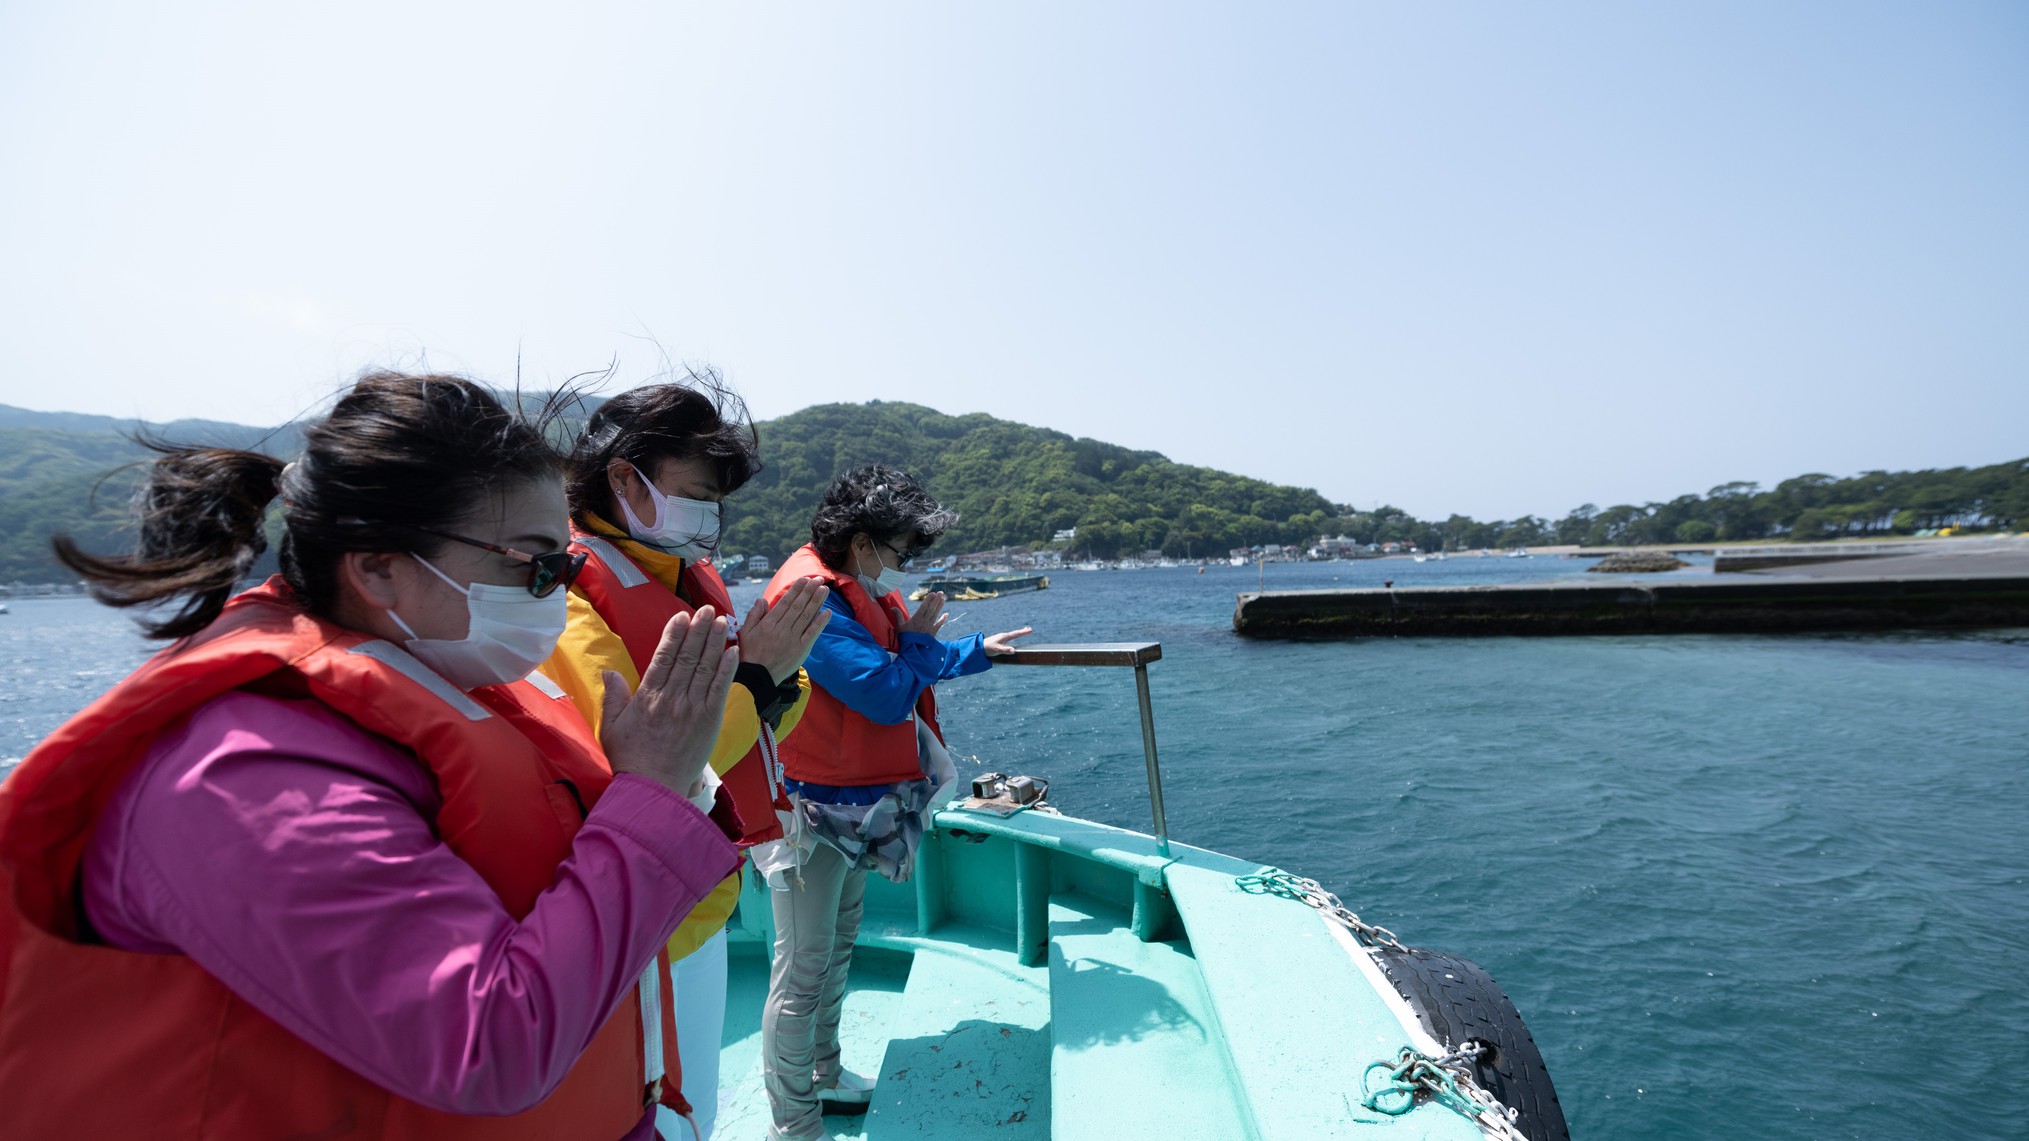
(1135, 654)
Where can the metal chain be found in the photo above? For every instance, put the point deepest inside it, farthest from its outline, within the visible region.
(1447, 1078)
(1274, 881)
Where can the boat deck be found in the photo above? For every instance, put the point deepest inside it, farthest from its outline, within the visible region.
(1047, 977)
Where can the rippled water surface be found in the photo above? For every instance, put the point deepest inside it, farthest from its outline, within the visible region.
(1770, 887)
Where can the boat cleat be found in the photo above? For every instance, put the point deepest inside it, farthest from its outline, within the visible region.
(1003, 796)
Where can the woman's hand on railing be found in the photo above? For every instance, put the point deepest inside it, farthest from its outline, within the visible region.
(1002, 644)
(779, 637)
(666, 729)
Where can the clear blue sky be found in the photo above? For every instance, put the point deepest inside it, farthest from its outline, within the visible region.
(1489, 258)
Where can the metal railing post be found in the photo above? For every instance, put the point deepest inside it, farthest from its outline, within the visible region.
(1154, 766)
(1136, 654)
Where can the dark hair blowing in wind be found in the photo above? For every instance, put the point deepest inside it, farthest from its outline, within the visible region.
(696, 418)
(398, 453)
(885, 502)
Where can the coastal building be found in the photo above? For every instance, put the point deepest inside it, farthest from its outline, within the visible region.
(758, 564)
(999, 557)
(1337, 547)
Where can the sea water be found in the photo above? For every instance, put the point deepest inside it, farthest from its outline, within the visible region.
(1764, 887)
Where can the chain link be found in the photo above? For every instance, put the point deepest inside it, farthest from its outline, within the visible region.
(1447, 1078)
(1274, 881)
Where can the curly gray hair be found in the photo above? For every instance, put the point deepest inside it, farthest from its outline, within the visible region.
(885, 502)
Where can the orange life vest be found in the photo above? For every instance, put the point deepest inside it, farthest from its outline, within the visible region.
(636, 606)
(100, 1042)
(835, 744)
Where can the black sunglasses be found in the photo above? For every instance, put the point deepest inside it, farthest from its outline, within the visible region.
(547, 572)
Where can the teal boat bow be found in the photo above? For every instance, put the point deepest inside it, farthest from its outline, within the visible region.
(1044, 976)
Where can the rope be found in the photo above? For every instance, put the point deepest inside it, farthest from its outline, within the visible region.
(1447, 1078)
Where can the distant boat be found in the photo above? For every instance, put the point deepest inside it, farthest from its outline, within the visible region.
(975, 587)
(964, 594)
(1519, 553)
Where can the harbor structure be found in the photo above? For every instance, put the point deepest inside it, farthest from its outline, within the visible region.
(1985, 588)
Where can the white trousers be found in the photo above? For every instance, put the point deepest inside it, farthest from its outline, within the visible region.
(700, 981)
(817, 920)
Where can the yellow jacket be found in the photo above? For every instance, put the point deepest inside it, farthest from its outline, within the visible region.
(589, 647)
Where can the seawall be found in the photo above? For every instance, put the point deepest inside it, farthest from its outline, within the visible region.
(1738, 604)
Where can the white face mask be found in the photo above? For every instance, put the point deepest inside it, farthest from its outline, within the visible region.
(686, 528)
(509, 632)
(887, 582)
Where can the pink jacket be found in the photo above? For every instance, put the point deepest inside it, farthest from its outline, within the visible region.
(290, 853)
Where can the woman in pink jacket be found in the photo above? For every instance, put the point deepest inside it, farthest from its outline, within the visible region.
(343, 872)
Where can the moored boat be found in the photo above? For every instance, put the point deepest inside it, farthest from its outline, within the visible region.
(1044, 976)
(964, 588)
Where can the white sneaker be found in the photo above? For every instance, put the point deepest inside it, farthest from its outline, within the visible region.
(848, 1089)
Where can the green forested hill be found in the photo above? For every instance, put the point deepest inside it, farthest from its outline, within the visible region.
(62, 471)
(1806, 507)
(47, 481)
(1013, 484)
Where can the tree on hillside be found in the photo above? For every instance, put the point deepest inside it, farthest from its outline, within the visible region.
(1018, 485)
(1013, 485)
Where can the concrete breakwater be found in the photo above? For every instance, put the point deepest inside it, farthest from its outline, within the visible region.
(1737, 604)
(1804, 554)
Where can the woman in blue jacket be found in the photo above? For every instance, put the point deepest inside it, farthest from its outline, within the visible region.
(861, 769)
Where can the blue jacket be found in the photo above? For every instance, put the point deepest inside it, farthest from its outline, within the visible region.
(879, 685)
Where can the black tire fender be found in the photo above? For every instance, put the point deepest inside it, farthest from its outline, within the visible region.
(1458, 1001)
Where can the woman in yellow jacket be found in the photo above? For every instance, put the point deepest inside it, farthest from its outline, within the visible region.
(646, 481)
